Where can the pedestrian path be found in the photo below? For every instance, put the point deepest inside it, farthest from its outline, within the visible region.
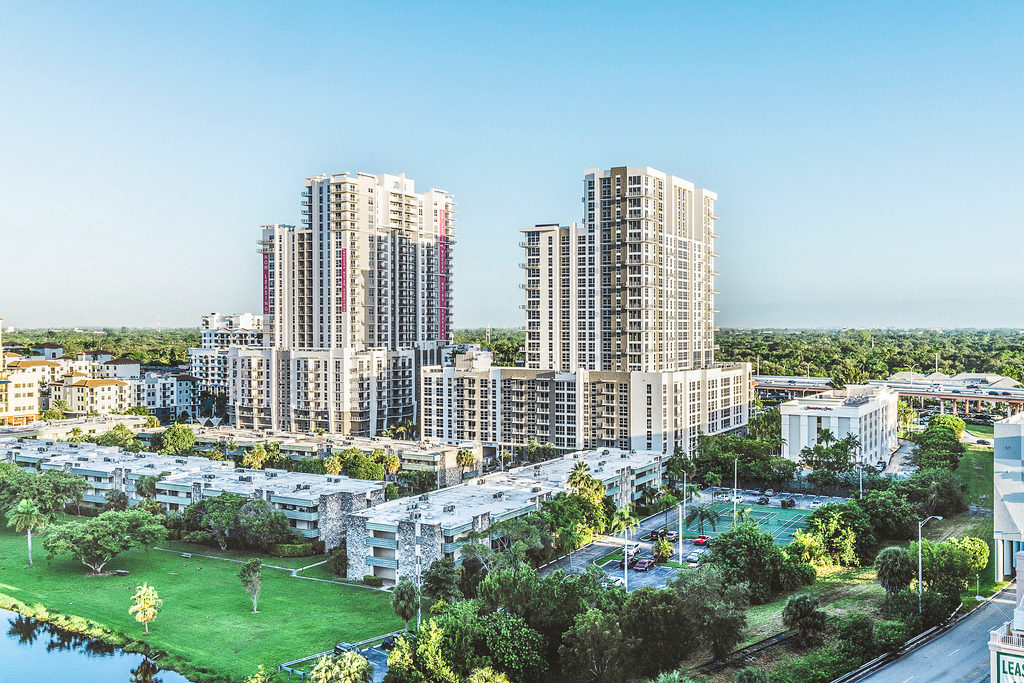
(291, 570)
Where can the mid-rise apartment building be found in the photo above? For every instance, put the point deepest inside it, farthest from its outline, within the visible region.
(866, 411)
(85, 396)
(226, 339)
(167, 395)
(355, 300)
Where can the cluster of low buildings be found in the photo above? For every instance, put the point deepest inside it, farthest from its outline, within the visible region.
(91, 383)
(384, 539)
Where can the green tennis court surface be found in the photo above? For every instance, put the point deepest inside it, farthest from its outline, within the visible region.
(780, 523)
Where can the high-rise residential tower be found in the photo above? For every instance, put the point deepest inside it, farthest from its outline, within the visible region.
(355, 299)
(631, 288)
(619, 331)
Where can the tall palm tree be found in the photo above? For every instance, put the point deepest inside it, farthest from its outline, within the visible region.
(715, 479)
(26, 516)
(392, 463)
(743, 515)
(579, 477)
(625, 521)
(570, 539)
(465, 459)
(705, 513)
(826, 437)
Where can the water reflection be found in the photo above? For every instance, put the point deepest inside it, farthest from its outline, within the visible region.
(27, 630)
(44, 653)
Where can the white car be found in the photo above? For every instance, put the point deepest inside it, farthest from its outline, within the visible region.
(632, 549)
(815, 504)
(736, 499)
(694, 557)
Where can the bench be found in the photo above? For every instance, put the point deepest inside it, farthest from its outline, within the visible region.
(187, 556)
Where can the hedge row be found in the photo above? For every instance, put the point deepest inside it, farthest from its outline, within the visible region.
(375, 581)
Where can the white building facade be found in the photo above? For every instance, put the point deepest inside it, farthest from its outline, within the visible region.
(866, 411)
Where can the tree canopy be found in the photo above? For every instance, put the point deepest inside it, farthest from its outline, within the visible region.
(96, 541)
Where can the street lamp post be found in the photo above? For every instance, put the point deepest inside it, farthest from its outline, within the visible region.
(682, 515)
(735, 485)
(920, 564)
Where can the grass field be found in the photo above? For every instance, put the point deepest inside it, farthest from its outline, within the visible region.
(984, 431)
(207, 622)
(781, 523)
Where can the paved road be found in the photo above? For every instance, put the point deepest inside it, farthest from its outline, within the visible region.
(959, 655)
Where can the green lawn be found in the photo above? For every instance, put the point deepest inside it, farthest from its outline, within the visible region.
(207, 622)
(975, 469)
(984, 431)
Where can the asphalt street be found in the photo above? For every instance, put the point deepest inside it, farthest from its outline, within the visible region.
(959, 655)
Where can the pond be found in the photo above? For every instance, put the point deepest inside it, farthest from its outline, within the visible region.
(34, 651)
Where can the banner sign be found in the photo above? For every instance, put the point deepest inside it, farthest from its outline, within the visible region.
(443, 288)
(344, 280)
(266, 284)
(1009, 668)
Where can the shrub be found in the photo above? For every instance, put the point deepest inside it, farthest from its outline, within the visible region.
(290, 549)
(374, 581)
(319, 547)
(806, 574)
(86, 511)
(339, 561)
(857, 635)
(891, 635)
(751, 675)
(819, 666)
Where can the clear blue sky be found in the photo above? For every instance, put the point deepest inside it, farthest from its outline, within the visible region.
(867, 156)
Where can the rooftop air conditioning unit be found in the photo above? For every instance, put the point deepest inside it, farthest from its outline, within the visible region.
(535, 489)
(81, 458)
(415, 515)
(305, 486)
(449, 508)
(424, 498)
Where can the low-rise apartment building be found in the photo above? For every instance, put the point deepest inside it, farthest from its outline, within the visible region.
(625, 474)
(167, 395)
(866, 411)
(317, 506)
(86, 396)
(64, 429)
(402, 537)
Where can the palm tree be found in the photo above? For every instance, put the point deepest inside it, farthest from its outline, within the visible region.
(715, 479)
(146, 604)
(625, 521)
(579, 477)
(405, 600)
(570, 539)
(26, 516)
(392, 463)
(61, 405)
(465, 458)
(76, 431)
(399, 430)
(703, 513)
(742, 516)
(895, 569)
(826, 437)
(802, 613)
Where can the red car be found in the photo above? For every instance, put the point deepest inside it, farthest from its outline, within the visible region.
(702, 540)
(644, 565)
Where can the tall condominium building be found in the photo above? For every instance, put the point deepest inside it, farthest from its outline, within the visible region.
(354, 301)
(631, 288)
(619, 332)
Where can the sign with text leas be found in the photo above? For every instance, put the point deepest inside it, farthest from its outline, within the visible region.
(1009, 668)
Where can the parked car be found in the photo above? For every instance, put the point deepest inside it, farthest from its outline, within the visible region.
(632, 562)
(657, 534)
(388, 645)
(770, 492)
(618, 581)
(815, 504)
(1006, 393)
(644, 566)
(672, 536)
(632, 549)
(993, 393)
(763, 500)
(984, 442)
(702, 540)
(957, 391)
(736, 499)
(694, 557)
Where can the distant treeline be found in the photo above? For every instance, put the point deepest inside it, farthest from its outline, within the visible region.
(149, 347)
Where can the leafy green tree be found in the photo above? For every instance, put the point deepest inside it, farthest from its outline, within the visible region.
(349, 667)
(514, 647)
(937, 447)
(951, 422)
(251, 576)
(487, 675)
(662, 550)
(846, 532)
(895, 569)
(751, 675)
(891, 635)
(51, 490)
(891, 514)
(715, 605)
(405, 601)
(856, 633)
(391, 491)
(750, 556)
(52, 414)
(258, 525)
(802, 613)
(657, 619)
(312, 465)
(571, 538)
(214, 517)
(26, 516)
(176, 440)
(441, 580)
(807, 547)
(96, 541)
(937, 491)
(420, 658)
(357, 465)
(146, 604)
(595, 650)
(123, 438)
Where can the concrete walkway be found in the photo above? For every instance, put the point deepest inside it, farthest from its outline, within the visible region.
(292, 571)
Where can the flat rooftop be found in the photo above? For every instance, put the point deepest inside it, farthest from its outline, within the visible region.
(245, 482)
(501, 495)
(604, 463)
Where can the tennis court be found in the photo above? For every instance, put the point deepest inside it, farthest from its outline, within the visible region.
(780, 523)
